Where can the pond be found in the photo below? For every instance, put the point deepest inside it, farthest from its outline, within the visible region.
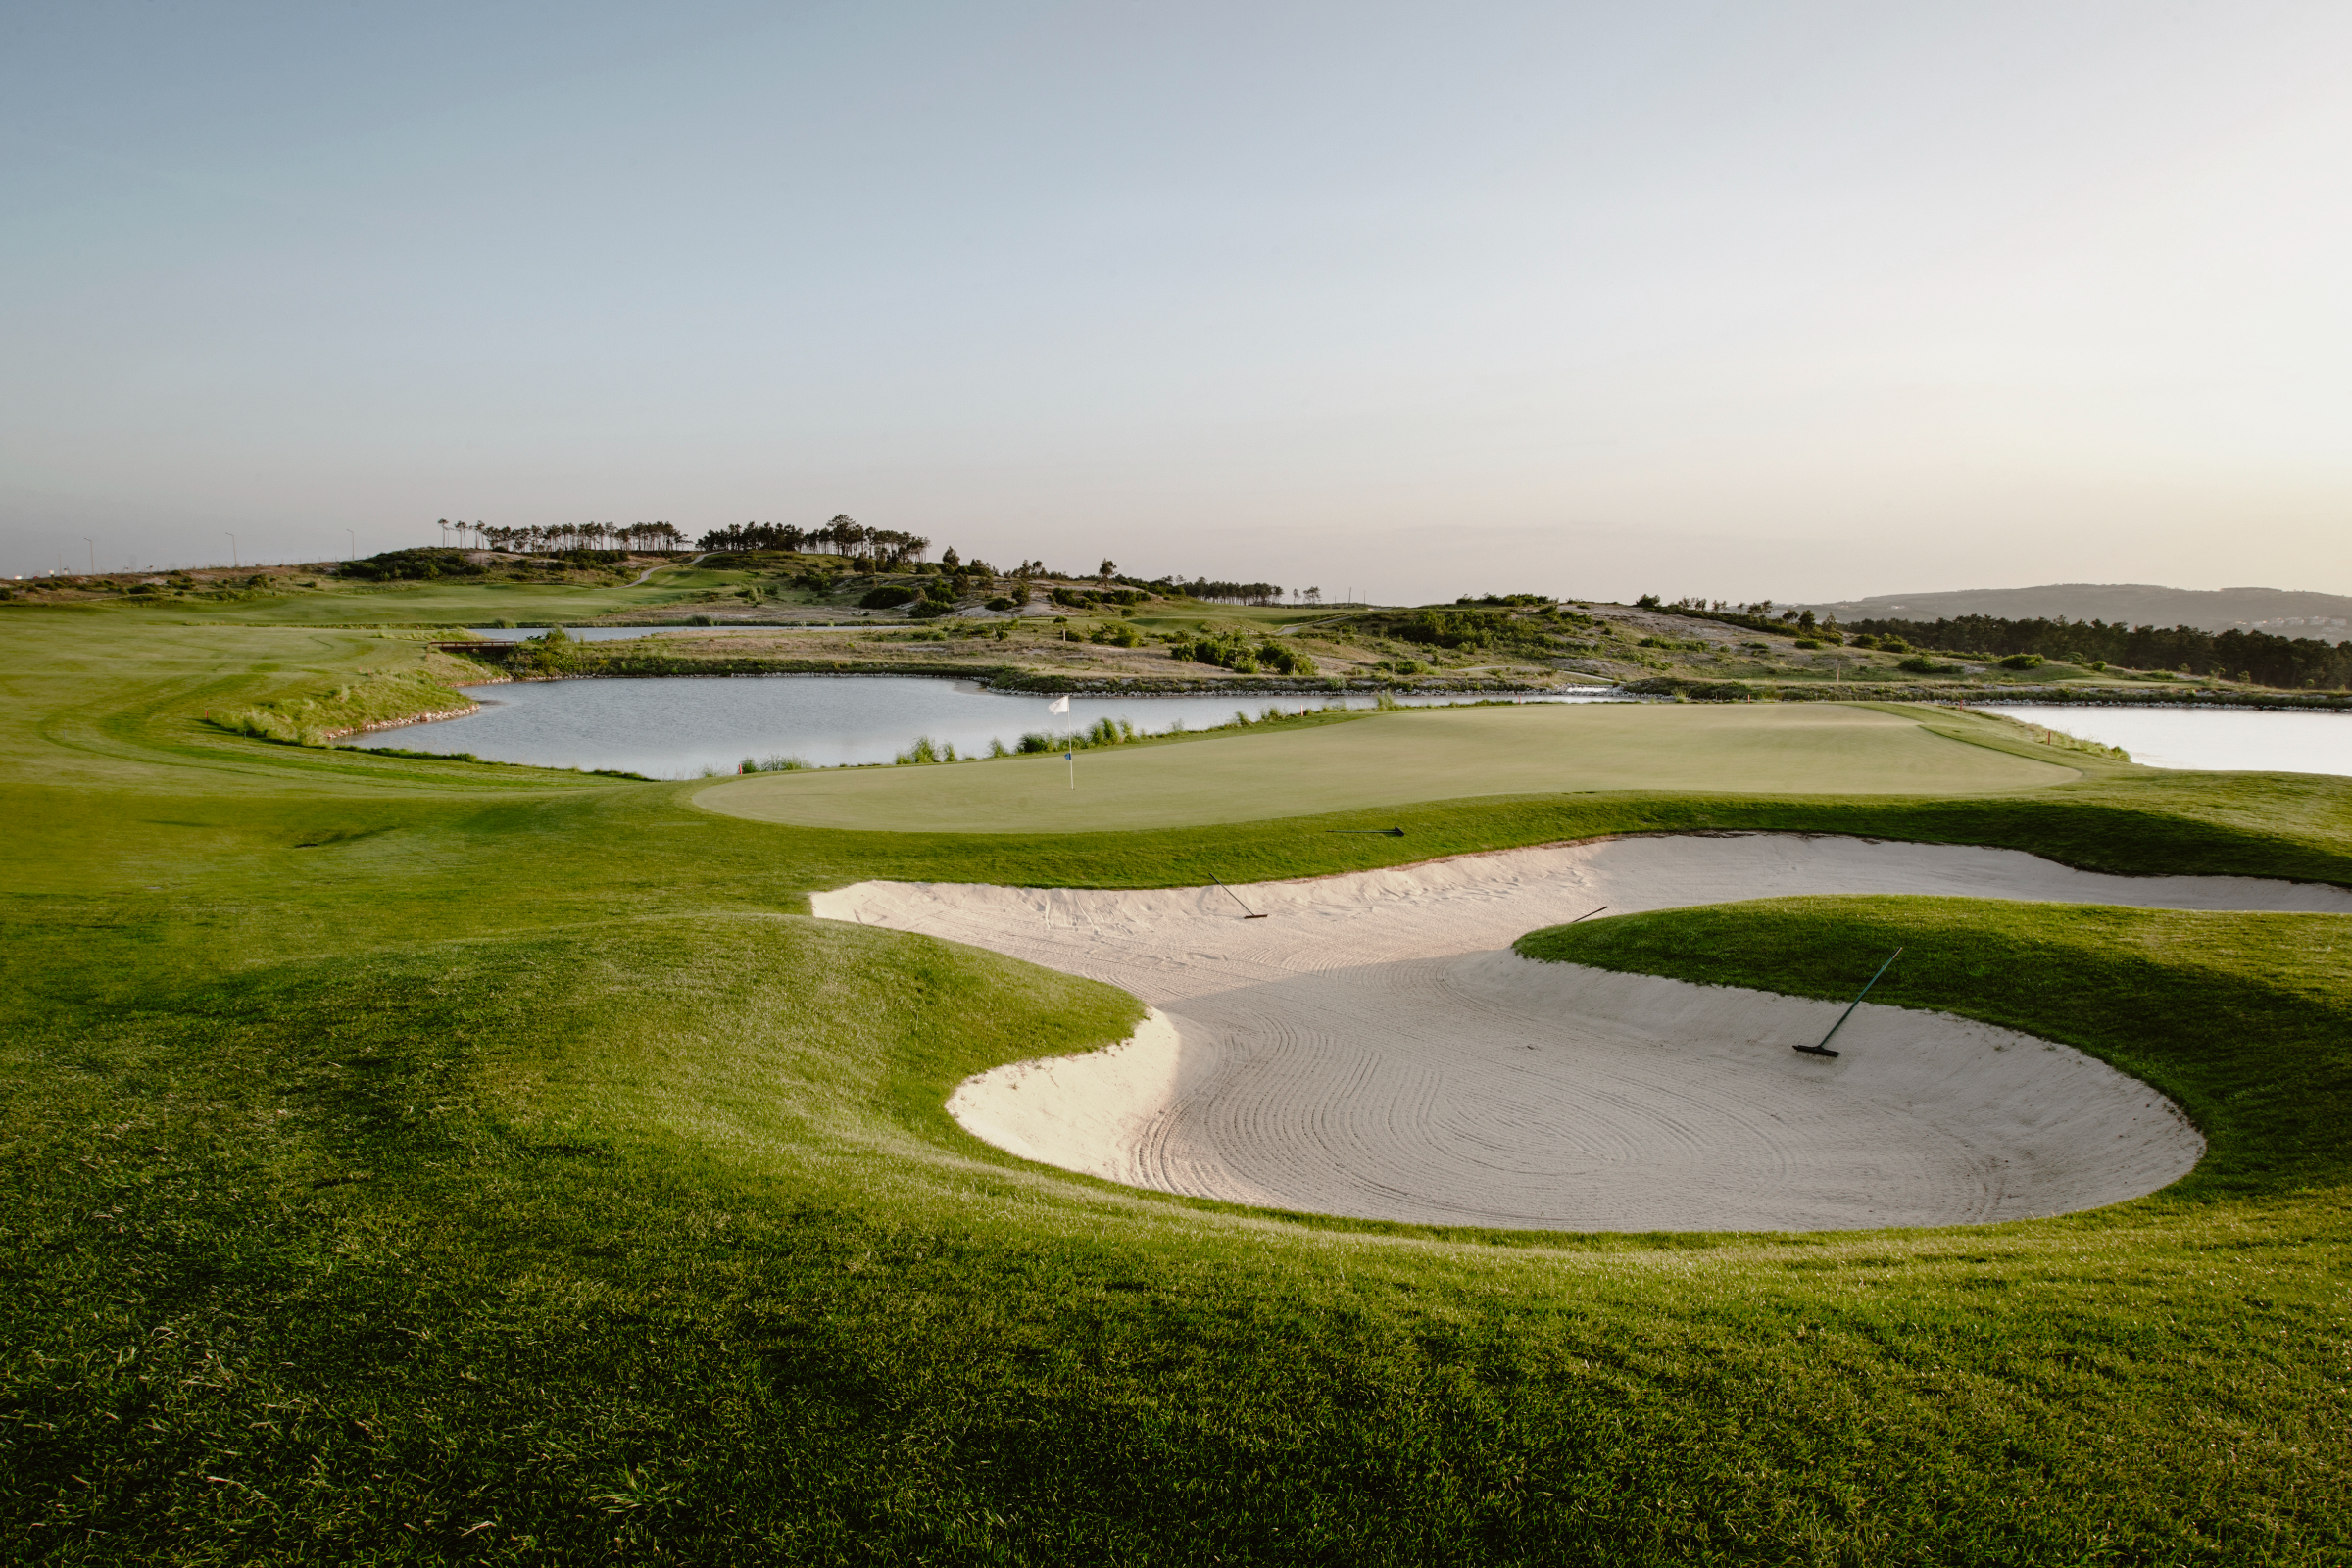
(2260, 740)
(616, 634)
(681, 727)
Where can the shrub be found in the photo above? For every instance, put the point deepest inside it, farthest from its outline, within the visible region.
(925, 750)
(1921, 664)
(409, 566)
(1001, 604)
(2024, 662)
(890, 596)
(1116, 636)
(1808, 642)
(552, 652)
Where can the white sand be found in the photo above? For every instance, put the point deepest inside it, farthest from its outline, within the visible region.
(1375, 1049)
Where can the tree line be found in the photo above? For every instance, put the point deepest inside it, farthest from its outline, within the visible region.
(2291, 662)
(1244, 593)
(575, 536)
(843, 535)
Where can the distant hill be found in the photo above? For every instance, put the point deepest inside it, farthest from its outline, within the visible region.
(2282, 612)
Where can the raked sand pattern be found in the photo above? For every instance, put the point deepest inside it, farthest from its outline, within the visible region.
(1374, 1048)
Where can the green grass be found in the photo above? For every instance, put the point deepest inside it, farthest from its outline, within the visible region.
(420, 1161)
(445, 602)
(1406, 757)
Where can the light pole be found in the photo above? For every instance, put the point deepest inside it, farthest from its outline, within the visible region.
(233, 549)
(93, 544)
(354, 543)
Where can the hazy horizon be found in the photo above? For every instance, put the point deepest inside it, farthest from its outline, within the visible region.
(1819, 302)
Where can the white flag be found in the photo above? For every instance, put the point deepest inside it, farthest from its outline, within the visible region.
(1059, 704)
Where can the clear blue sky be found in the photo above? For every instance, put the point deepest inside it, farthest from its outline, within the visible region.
(1799, 300)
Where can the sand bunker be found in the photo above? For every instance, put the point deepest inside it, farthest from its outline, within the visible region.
(1375, 1049)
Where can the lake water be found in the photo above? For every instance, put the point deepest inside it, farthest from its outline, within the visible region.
(618, 634)
(2243, 738)
(676, 727)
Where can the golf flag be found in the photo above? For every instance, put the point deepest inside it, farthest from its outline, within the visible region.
(1059, 704)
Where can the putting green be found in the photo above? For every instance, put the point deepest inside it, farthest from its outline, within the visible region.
(1396, 758)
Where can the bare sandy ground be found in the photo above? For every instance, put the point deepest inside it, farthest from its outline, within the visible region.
(1374, 1050)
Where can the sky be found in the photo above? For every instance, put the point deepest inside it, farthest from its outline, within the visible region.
(1802, 301)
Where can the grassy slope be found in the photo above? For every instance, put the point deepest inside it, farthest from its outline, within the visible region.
(452, 602)
(419, 1161)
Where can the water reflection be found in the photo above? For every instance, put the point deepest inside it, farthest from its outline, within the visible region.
(677, 727)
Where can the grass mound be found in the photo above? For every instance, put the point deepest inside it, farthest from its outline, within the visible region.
(317, 719)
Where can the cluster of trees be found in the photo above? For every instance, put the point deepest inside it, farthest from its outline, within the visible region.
(1235, 652)
(1473, 628)
(936, 597)
(1244, 593)
(843, 535)
(575, 536)
(424, 565)
(413, 566)
(1096, 598)
(871, 548)
(2292, 663)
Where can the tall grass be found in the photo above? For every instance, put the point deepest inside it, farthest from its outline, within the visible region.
(925, 751)
(375, 701)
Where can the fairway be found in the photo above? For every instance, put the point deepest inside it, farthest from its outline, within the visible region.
(1396, 758)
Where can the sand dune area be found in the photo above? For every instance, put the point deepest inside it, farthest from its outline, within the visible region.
(1373, 1048)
